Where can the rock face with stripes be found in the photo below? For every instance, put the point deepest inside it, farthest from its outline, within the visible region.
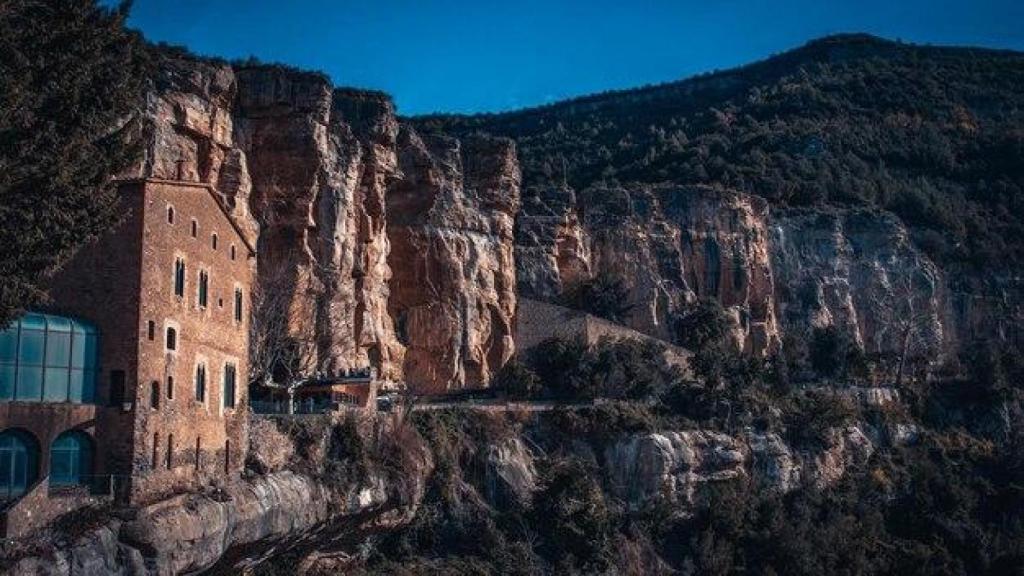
(450, 221)
(358, 231)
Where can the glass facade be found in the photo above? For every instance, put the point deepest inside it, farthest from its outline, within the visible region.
(47, 358)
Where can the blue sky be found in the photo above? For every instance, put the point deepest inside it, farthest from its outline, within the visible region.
(485, 55)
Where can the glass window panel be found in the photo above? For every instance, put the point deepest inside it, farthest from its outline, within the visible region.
(83, 352)
(58, 349)
(6, 457)
(33, 321)
(62, 466)
(55, 386)
(58, 324)
(76, 387)
(30, 383)
(89, 386)
(32, 342)
(20, 476)
(6, 382)
(9, 344)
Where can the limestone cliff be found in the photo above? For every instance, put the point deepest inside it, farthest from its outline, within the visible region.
(320, 176)
(668, 244)
(453, 294)
(320, 163)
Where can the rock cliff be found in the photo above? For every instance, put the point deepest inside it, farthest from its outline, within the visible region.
(451, 228)
(358, 229)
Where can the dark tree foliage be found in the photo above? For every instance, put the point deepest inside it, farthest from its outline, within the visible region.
(703, 324)
(604, 296)
(616, 369)
(516, 380)
(932, 134)
(71, 76)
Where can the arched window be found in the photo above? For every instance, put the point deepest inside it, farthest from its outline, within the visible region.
(172, 338)
(170, 387)
(179, 278)
(213, 240)
(204, 288)
(170, 214)
(19, 458)
(201, 383)
(154, 395)
(71, 459)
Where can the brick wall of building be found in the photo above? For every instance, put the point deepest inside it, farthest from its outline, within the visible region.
(182, 441)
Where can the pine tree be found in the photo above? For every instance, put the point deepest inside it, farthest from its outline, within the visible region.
(71, 79)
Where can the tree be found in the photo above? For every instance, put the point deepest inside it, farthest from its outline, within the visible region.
(71, 81)
(604, 295)
(905, 319)
(282, 336)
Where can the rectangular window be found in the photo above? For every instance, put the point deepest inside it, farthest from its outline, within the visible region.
(201, 383)
(204, 285)
(229, 385)
(179, 277)
(170, 451)
(238, 304)
(151, 330)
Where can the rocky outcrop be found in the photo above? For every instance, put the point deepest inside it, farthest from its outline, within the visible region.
(671, 466)
(450, 223)
(669, 245)
(858, 271)
(187, 132)
(315, 173)
(320, 162)
(193, 532)
(510, 475)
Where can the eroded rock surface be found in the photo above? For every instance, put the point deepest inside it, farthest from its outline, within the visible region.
(668, 244)
(450, 222)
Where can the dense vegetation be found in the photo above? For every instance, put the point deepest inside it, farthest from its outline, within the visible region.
(935, 135)
(70, 77)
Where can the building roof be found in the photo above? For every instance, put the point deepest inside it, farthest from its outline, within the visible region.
(213, 194)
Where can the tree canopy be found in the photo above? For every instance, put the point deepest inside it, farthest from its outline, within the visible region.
(71, 76)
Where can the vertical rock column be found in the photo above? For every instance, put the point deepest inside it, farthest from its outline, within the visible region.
(320, 162)
(450, 221)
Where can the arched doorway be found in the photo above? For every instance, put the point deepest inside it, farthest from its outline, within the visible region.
(19, 463)
(71, 459)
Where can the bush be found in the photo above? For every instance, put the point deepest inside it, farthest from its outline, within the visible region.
(604, 296)
(517, 380)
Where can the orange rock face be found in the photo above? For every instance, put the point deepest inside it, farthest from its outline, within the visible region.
(360, 231)
(450, 221)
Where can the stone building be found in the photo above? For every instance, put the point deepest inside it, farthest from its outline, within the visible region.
(132, 384)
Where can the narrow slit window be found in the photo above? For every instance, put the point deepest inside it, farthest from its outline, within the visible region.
(204, 288)
(170, 214)
(238, 304)
(170, 450)
(195, 228)
(170, 387)
(151, 330)
(156, 449)
(213, 241)
(199, 444)
(201, 383)
(179, 277)
(229, 386)
(154, 395)
(232, 251)
(172, 338)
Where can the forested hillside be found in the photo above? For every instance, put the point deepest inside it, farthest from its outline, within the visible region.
(935, 135)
